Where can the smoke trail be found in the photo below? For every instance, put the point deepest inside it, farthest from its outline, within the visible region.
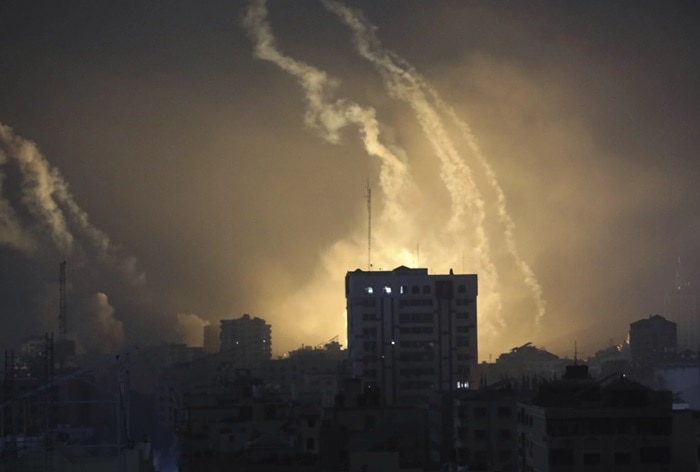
(47, 197)
(11, 232)
(404, 82)
(506, 220)
(327, 115)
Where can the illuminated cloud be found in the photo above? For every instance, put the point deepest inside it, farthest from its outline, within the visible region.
(552, 149)
(463, 229)
(97, 328)
(190, 329)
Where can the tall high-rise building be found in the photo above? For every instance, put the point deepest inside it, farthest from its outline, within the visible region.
(248, 340)
(410, 333)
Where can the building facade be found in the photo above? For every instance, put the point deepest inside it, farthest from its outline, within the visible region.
(248, 340)
(411, 333)
(652, 340)
(578, 424)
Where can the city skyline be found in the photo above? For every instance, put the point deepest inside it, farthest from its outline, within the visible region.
(212, 187)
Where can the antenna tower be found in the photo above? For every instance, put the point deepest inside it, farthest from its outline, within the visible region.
(369, 227)
(62, 312)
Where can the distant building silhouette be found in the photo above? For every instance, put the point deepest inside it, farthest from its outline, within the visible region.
(652, 340)
(248, 340)
(212, 338)
(410, 333)
(614, 424)
(307, 375)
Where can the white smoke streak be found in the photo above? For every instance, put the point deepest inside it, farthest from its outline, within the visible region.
(47, 197)
(404, 82)
(506, 220)
(466, 200)
(328, 115)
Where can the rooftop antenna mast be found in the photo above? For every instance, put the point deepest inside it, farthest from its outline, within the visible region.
(369, 226)
(62, 311)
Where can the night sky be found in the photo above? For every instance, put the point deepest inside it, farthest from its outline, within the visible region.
(194, 162)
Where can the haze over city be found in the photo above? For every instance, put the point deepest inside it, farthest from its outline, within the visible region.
(198, 162)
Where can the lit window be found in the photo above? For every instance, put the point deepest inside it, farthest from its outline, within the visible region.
(369, 290)
(387, 289)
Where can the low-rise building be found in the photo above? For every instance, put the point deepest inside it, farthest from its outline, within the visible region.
(617, 424)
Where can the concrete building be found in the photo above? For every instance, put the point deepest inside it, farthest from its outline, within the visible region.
(484, 428)
(307, 375)
(234, 428)
(360, 435)
(616, 424)
(524, 363)
(212, 338)
(410, 333)
(682, 377)
(652, 340)
(248, 340)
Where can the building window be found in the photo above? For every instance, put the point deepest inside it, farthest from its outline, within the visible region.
(504, 434)
(415, 290)
(591, 458)
(416, 330)
(415, 344)
(369, 290)
(426, 289)
(561, 456)
(416, 302)
(504, 412)
(655, 455)
(415, 317)
(623, 458)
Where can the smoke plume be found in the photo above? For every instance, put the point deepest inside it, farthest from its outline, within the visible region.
(46, 196)
(190, 329)
(463, 229)
(97, 329)
(405, 83)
